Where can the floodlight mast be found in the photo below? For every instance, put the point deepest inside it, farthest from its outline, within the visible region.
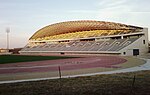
(8, 31)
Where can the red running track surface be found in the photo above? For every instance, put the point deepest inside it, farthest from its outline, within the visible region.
(65, 64)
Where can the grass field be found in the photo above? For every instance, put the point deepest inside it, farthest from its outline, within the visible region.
(113, 84)
(24, 58)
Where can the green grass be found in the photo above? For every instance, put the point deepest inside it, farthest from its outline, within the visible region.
(24, 58)
(112, 84)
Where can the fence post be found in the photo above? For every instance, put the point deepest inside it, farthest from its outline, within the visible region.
(59, 72)
(60, 85)
(133, 83)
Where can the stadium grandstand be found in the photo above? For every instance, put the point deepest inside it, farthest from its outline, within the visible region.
(88, 37)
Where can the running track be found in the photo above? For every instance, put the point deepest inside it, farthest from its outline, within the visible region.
(65, 64)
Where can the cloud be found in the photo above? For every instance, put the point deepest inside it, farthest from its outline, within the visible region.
(111, 5)
(124, 5)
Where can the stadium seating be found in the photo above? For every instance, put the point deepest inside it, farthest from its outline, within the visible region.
(106, 45)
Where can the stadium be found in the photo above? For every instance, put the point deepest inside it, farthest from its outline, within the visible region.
(88, 37)
(85, 57)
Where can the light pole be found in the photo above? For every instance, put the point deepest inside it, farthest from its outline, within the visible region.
(7, 31)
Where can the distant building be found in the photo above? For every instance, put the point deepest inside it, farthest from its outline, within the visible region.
(15, 50)
(3, 50)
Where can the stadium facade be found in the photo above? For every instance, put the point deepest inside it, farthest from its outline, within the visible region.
(88, 37)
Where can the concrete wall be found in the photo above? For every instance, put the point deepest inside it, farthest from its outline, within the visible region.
(138, 44)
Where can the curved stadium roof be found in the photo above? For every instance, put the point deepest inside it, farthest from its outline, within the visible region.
(76, 26)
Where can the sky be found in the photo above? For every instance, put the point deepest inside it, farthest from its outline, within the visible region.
(25, 17)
